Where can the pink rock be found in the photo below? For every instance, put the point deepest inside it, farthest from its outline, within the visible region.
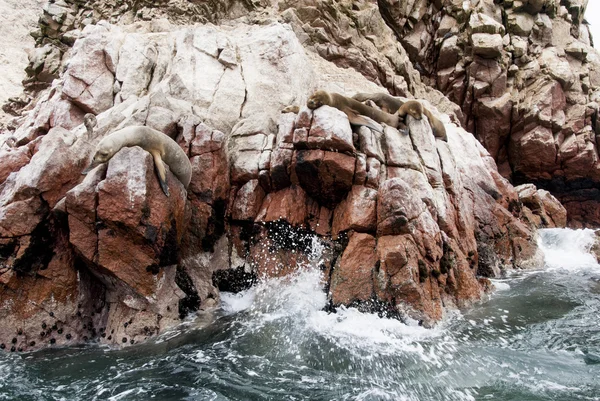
(21, 217)
(142, 228)
(325, 176)
(396, 207)
(81, 204)
(533, 152)
(248, 200)
(357, 212)
(353, 279)
(12, 160)
(281, 162)
(554, 209)
(289, 204)
(330, 130)
(206, 140)
(493, 122)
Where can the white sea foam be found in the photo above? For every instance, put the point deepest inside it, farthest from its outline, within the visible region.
(567, 249)
(300, 300)
(233, 303)
(500, 285)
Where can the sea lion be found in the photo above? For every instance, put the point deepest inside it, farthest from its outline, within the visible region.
(160, 146)
(414, 108)
(438, 128)
(358, 113)
(385, 102)
(89, 120)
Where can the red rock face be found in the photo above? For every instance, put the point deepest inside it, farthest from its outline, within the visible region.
(527, 84)
(325, 176)
(404, 223)
(352, 280)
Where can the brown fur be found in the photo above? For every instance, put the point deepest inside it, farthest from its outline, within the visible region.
(411, 107)
(385, 102)
(438, 128)
(160, 146)
(354, 109)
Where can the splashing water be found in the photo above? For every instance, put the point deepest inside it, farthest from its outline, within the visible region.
(567, 249)
(536, 339)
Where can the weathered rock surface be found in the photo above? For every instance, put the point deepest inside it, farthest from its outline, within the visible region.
(17, 19)
(528, 82)
(406, 224)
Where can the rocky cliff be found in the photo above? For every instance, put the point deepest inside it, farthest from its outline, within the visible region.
(527, 79)
(405, 224)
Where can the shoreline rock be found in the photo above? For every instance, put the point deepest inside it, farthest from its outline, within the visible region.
(407, 224)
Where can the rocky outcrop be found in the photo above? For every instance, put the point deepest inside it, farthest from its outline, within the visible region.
(540, 208)
(18, 20)
(398, 223)
(528, 81)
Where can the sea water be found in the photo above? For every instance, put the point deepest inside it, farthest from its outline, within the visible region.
(536, 338)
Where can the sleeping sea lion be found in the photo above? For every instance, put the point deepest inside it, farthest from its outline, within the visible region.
(160, 146)
(385, 102)
(410, 107)
(358, 113)
(414, 108)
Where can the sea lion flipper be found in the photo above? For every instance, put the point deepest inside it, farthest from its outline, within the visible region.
(358, 119)
(403, 128)
(161, 172)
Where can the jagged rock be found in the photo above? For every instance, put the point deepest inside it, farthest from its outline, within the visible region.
(13, 160)
(533, 151)
(410, 213)
(544, 46)
(353, 279)
(325, 176)
(328, 131)
(357, 212)
(486, 45)
(248, 201)
(541, 209)
(520, 24)
(482, 23)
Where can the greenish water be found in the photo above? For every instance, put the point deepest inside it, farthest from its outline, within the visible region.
(537, 338)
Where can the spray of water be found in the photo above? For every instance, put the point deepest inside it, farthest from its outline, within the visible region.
(567, 249)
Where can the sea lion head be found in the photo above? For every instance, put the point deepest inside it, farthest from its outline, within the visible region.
(105, 150)
(415, 110)
(318, 99)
